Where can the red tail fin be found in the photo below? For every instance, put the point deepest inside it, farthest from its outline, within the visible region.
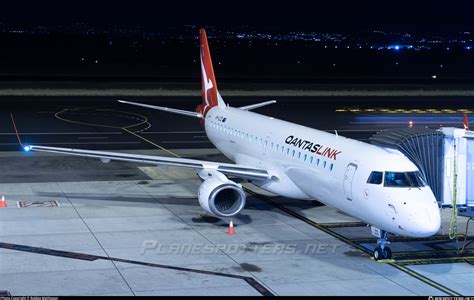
(466, 121)
(210, 95)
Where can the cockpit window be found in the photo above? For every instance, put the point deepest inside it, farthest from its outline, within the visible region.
(416, 179)
(375, 177)
(404, 179)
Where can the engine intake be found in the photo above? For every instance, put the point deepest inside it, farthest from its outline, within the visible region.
(221, 198)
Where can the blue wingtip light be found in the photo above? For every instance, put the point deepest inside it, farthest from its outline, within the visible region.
(27, 148)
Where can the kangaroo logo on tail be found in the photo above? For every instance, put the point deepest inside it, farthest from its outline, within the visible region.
(210, 94)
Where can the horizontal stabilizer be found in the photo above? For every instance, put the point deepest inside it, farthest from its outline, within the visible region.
(167, 109)
(257, 105)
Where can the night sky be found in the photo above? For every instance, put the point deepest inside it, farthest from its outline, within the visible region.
(424, 16)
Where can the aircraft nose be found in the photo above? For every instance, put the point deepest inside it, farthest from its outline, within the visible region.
(428, 222)
(425, 219)
(433, 221)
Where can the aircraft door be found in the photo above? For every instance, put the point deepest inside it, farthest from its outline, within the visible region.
(470, 172)
(266, 144)
(348, 177)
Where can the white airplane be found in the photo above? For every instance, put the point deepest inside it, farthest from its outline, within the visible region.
(379, 186)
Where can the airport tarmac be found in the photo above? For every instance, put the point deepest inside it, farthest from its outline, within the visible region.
(77, 226)
(103, 123)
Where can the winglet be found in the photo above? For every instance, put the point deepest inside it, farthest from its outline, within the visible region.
(16, 131)
(466, 121)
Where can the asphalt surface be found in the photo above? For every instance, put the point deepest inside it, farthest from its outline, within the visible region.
(103, 123)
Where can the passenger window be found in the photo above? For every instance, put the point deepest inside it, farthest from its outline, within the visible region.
(305, 157)
(311, 160)
(317, 162)
(324, 164)
(375, 178)
(331, 166)
(293, 153)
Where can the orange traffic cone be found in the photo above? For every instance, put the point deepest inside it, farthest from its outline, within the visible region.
(231, 228)
(3, 203)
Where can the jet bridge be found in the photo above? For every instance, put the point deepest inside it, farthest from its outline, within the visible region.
(445, 157)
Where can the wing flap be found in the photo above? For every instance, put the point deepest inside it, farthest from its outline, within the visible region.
(228, 169)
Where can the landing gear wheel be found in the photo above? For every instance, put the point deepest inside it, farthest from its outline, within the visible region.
(378, 253)
(387, 253)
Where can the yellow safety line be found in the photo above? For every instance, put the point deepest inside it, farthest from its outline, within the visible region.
(150, 142)
(355, 245)
(418, 260)
(81, 123)
(145, 119)
(425, 279)
(117, 127)
(314, 224)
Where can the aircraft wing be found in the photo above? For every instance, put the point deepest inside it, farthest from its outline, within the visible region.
(225, 168)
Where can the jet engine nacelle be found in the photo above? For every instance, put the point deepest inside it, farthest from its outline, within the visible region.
(221, 197)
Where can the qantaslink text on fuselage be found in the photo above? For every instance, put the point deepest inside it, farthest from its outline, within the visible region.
(312, 147)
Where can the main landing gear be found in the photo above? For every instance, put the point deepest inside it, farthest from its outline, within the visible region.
(382, 251)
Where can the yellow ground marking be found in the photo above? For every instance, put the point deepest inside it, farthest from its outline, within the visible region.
(142, 121)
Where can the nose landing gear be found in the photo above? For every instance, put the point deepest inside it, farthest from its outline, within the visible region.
(382, 251)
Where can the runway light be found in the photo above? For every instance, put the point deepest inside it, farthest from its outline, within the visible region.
(27, 148)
